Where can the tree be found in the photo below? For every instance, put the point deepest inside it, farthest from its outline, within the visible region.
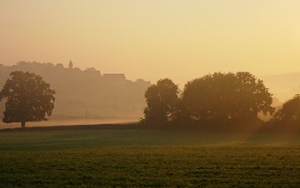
(161, 99)
(289, 112)
(223, 97)
(29, 98)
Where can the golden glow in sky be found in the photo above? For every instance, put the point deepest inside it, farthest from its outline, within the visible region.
(154, 39)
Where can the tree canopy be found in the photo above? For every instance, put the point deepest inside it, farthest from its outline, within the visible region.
(161, 99)
(224, 97)
(29, 98)
(289, 112)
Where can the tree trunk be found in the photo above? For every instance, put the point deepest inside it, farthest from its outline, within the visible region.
(23, 124)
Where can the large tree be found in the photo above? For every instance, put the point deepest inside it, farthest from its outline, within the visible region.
(161, 99)
(29, 98)
(224, 97)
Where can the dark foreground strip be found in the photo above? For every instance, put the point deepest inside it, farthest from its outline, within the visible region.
(121, 126)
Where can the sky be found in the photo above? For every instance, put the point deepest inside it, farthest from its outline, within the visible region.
(154, 39)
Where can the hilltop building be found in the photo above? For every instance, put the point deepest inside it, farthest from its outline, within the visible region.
(114, 77)
(71, 65)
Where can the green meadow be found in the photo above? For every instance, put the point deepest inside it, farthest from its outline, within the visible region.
(146, 158)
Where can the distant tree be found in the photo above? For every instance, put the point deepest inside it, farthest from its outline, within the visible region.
(59, 65)
(223, 97)
(289, 112)
(161, 99)
(92, 70)
(29, 98)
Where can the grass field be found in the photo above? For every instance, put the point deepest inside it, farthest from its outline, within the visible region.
(144, 158)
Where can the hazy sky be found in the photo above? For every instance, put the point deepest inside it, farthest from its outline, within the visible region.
(153, 39)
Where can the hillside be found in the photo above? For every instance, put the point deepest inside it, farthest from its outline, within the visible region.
(86, 94)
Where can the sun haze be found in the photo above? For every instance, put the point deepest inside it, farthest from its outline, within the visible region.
(154, 39)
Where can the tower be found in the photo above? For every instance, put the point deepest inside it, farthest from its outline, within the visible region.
(70, 65)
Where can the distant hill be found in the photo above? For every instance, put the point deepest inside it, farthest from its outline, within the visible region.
(88, 93)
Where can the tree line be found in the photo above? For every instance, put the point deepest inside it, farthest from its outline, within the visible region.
(219, 98)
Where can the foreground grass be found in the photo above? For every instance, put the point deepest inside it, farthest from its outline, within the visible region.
(140, 158)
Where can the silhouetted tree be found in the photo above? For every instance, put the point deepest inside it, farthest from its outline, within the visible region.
(222, 97)
(161, 99)
(29, 98)
(289, 112)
